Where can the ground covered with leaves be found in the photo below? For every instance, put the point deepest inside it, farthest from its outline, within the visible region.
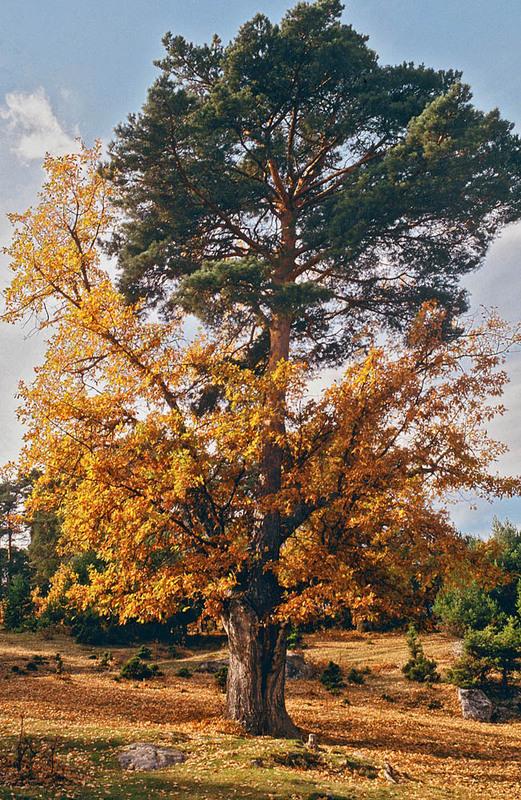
(74, 722)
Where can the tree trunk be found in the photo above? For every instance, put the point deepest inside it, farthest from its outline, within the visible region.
(256, 675)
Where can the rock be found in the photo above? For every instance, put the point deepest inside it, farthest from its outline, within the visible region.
(475, 705)
(212, 666)
(503, 712)
(142, 756)
(297, 668)
(390, 774)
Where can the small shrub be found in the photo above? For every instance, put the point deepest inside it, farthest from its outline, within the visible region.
(469, 672)
(145, 653)
(184, 672)
(105, 660)
(502, 647)
(355, 675)
(25, 752)
(173, 651)
(332, 678)
(419, 668)
(31, 666)
(326, 796)
(137, 670)
(221, 678)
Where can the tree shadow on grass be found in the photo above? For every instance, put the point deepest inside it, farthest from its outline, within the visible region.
(482, 746)
(102, 778)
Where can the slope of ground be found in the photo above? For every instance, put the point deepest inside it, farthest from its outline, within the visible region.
(86, 715)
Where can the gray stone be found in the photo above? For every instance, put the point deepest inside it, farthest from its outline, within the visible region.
(504, 712)
(475, 705)
(297, 668)
(143, 756)
(212, 666)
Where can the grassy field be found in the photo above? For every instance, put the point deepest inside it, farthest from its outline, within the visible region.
(88, 716)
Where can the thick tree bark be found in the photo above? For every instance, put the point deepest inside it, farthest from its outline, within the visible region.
(256, 676)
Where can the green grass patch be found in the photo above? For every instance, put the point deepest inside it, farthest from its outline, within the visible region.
(217, 768)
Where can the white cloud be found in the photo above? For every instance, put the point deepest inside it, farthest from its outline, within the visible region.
(33, 126)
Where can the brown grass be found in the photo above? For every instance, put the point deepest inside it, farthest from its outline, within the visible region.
(388, 719)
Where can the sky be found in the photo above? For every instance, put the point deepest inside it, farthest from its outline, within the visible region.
(70, 68)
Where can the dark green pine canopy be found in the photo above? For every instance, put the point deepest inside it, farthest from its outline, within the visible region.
(290, 173)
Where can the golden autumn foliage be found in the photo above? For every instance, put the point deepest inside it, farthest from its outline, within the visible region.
(166, 493)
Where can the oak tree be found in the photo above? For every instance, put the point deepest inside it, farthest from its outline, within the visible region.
(268, 505)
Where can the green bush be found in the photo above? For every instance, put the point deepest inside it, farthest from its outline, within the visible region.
(492, 650)
(466, 608)
(332, 678)
(18, 607)
(184, 672)
(355, 675)
(419, 668)
(144, 652)
(469, 672)
(137, 670)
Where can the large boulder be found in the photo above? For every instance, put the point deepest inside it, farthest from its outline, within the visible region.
(143, 756)
(476, 705)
